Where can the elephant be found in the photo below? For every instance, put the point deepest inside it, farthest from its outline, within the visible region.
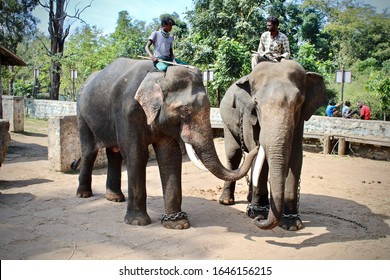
(128, 106)
(267, 108)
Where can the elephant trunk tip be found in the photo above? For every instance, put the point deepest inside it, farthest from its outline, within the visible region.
(265, 225)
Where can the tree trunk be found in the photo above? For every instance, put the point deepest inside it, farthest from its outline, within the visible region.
(57, 35)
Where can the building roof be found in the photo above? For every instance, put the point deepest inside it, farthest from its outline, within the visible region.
(8, 58)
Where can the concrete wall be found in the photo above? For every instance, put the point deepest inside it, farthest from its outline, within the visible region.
(4, 139)
(348, 127)
(13, 111)
(64, 144)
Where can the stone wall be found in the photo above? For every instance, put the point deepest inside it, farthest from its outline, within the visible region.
(44, 109)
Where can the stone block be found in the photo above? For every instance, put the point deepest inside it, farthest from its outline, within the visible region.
(64, 144)
(5, 139)
(13, 111)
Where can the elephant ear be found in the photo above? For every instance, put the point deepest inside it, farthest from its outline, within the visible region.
(243, 97)
(150, 96)
(315, 94)
(244, 84)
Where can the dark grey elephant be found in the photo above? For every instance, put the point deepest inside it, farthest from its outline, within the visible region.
(268, 108)
(128, 106)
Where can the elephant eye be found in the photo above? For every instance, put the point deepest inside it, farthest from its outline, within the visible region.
(185, 111)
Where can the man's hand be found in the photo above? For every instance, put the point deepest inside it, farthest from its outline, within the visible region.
(153, 58)
(270, 58)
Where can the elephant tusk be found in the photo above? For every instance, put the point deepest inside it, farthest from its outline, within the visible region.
(194, 158)
(258, 165)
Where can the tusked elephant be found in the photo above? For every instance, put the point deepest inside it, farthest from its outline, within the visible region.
(129, 105)
(267, 108)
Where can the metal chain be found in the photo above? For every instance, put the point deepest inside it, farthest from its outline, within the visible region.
(173, 217)
(336, 217)
(242, 146)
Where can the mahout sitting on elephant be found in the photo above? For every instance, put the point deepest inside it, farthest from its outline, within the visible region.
(267, 108)
(129, 105)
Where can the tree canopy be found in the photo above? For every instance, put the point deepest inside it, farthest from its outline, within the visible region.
(219, 35)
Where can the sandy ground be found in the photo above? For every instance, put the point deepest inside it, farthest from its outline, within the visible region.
(345, 206)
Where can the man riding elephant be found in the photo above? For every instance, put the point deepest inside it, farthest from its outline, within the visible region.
(274, 45)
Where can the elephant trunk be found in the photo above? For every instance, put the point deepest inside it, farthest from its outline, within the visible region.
(277, 154)
(200, 139)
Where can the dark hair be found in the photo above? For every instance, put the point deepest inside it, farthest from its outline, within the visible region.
(348, 103)
(331, 102)
(167, 21)
(274, 20)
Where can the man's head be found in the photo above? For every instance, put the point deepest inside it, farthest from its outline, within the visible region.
(347, 103)
(272, 24)
(167, 23)
(359, 104)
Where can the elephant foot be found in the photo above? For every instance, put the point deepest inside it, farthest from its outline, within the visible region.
(226, 198)
(137, 219)
(84, 193)
(175, 221)
(291, 222)
(116, 197)
(254, 211)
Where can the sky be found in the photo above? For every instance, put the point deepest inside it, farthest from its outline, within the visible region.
(104, 14)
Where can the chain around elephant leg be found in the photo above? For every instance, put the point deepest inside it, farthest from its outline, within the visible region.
(175, 221)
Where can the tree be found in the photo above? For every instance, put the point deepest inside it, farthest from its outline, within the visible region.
(355, 30)
(57, 16)
(85, 54)
(219, 28)
(16, 21)
(129, 37)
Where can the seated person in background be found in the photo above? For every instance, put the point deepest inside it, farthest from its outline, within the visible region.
(365, 112)
(346, 109)
(332, 108)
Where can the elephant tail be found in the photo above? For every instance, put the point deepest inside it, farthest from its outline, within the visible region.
(75, 164)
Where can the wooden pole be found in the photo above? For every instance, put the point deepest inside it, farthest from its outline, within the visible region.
(342, 146)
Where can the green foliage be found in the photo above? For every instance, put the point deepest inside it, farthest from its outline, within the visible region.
(324, 35)
(379, 84)
(233, 61)
(16, 22)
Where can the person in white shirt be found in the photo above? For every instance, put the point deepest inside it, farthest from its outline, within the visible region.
(274, 45)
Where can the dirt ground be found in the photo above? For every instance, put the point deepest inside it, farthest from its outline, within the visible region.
(345, 206)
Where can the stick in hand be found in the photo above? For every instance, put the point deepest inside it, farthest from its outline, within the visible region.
(169, 62)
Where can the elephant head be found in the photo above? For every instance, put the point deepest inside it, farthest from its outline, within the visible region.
(284, 96)
(176, 104)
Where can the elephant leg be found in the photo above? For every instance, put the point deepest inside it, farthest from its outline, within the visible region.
(88, 157)
(136, 213)
(259, 201)
(291, 220)
(233, 159)
(169, 158)
(114, 173)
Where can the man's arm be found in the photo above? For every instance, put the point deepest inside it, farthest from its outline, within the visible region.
(286, 48)
(147, 49)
